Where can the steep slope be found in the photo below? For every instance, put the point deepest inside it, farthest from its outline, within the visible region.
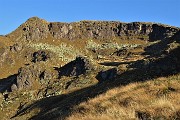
(49, 68)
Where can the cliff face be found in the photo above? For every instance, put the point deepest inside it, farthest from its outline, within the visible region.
(36, 29)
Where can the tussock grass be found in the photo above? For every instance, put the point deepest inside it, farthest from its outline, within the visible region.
(145, 100)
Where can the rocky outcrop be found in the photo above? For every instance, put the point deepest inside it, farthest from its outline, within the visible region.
(34, 76)
(80, 65)
(160, 32)
(37, 29)
(40, 56)
(176, 36)
(27, 76)
(16, 47)
(106, 75)
(33, 29)
(107, 30)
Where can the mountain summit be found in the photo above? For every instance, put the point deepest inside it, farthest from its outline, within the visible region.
(90, 70)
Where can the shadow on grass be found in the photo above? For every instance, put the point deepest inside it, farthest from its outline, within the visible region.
(113, 63)
(60, 107)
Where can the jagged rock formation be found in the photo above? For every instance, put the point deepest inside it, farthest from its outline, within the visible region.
(80, 65)
(37, 29)
(28, 76)
(42, 59)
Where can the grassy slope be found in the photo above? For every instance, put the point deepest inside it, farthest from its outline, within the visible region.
(153, 99)
(157, 98)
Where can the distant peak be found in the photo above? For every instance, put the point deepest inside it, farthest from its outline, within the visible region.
(35, 19)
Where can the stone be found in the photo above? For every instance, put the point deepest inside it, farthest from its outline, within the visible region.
(16, 47)
(27, 76)
(40, 56)
(80, 65)
(14, 87)
(106, 75)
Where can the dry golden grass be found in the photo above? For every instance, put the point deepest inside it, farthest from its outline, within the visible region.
(6, 41)
(156, 99)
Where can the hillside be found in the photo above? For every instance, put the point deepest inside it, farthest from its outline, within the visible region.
(90, 70)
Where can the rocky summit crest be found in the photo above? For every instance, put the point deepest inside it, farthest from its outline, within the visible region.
(78, 70)
(37, 29)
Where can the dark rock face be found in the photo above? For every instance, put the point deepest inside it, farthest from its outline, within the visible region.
(106, 75)
(75, 68)
(160, 32)
(97, 29)
(40, 56)
(37, 29)
(176, 36)
(107, 30)
(167, 64)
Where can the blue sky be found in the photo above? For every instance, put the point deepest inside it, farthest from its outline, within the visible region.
(15, 12)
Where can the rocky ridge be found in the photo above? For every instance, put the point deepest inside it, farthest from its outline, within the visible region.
(36, 29)
(109, 53)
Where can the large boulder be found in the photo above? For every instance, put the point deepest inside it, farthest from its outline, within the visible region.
(80, 65)
(28, 75)
(35, 76)
(106, 75)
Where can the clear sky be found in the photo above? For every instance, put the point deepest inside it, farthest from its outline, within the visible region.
(15, 12)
